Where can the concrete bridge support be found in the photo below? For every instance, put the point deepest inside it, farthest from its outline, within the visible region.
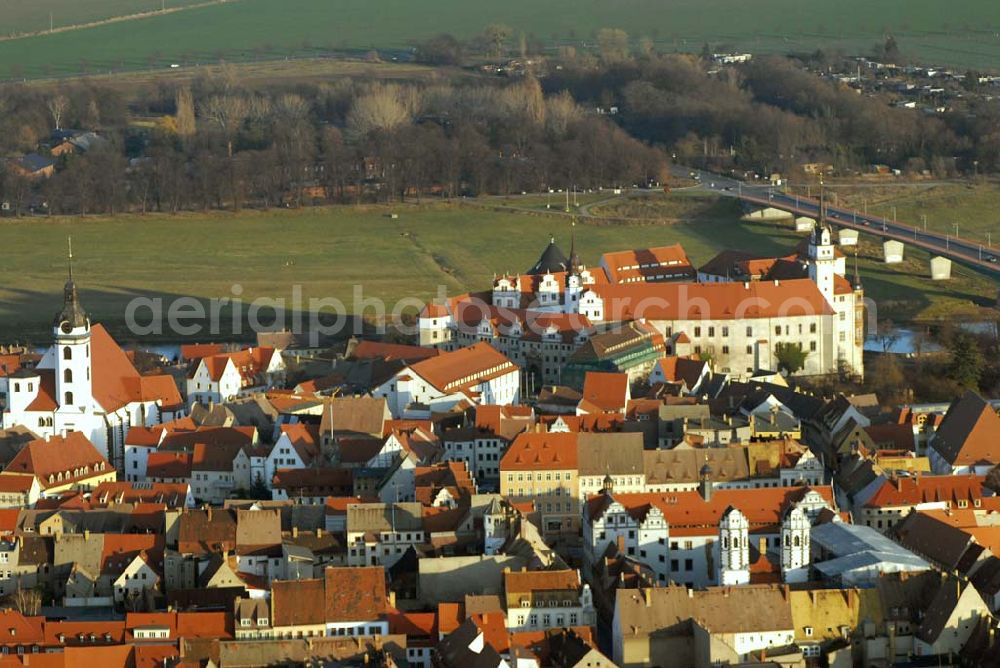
(892, 251)
(804, 224)
(767, 214)
(940, 268)
(847, 237)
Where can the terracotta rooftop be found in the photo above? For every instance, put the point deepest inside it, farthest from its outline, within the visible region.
(64, 458)
(533, 451)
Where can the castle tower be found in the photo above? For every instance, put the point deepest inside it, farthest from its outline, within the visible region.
(795, 545)
(734, 548)
(822, 259)
(71, 333)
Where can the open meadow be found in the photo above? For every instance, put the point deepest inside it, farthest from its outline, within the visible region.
(961, 34)
(327, 251)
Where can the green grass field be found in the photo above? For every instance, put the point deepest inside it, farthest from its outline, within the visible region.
(962, 34)
(327, 251)
(28, 16)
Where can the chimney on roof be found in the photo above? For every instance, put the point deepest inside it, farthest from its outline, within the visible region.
(295, 532)
(648, 596)
(762, 546)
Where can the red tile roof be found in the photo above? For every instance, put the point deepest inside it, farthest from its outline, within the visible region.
(689, 514)
(392, 351)
(604, 392)
(73, 456)
(116, 383)
(715, 301)
(169, 465)
(454, 371)
(911, 491)
(518, 582)
(355, 594)
(196, 351)
(648, 264)
(533, 451)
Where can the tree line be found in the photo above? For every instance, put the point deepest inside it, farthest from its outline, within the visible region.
(221, 144)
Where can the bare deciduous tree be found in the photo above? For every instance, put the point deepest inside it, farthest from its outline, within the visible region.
(228, 112)
(184, 118)
(383, 108)
(57, 106)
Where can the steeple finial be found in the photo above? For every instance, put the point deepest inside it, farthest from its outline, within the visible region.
(857, 273)
(69, 241)
(574, 261)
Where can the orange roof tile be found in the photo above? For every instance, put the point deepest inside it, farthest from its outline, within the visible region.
(911, 491)
(648, 264)
(516, 582)
(689, 514)
(454, 371)
(73, 457)
(355, 594)
(541, 451)
(604, 392)
(715, 301)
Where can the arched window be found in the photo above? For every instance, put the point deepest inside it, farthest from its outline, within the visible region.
(67, 353)
(41, 422)
(795, 541)
(725, 543)
(69, 399)
(736, 542)
(786, 540)
(68, 376)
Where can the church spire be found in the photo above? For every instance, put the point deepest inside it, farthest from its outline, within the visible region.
(574, 260)
(72, 315)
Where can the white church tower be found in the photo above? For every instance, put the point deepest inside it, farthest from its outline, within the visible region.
(734, 548)
(71, 329)
(574, 279)
(822, 259)
(795, 545)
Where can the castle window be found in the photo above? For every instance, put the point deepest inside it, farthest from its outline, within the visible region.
(69, 399)
(68, 376)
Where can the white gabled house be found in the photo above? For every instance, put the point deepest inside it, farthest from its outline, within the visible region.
(225, 376)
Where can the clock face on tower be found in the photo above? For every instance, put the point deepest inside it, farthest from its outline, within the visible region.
(66, 327)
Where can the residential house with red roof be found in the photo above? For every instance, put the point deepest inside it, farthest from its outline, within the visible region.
(344, 602)
(85, 382)
(297, 447)
(470, 376)
(218, 470)
(968, 438)
(604, 393)
(224, 376)
(140, 440)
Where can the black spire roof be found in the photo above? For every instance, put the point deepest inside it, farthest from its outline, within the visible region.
(552, 260)
(72, 314)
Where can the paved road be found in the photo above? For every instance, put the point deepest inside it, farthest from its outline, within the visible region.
(970, 253)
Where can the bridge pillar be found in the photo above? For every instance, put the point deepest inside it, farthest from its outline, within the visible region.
(768, 213)
(804, 224)
(847, 237)
(940, 268)
(892, 251)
